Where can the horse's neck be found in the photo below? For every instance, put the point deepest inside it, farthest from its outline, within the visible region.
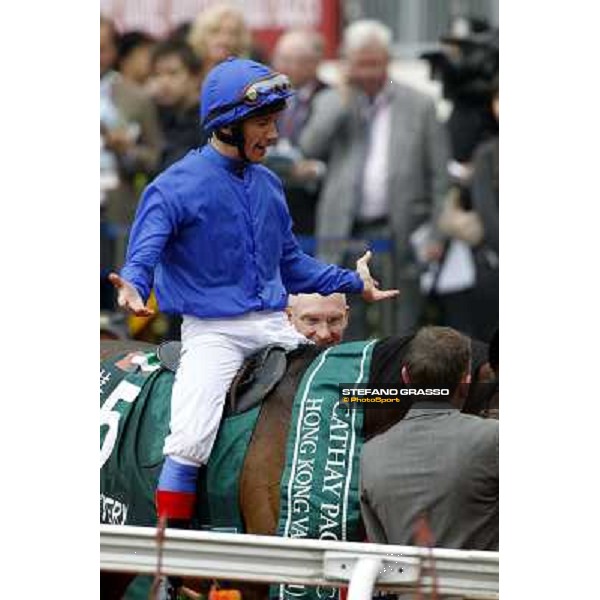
(384, 372)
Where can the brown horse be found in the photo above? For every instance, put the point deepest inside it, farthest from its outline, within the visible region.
(264, 462)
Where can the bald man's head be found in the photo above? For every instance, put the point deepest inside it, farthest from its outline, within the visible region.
(298, 54)
(322, 319)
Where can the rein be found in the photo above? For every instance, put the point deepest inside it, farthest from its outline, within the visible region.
(160, 542)
(423, 536)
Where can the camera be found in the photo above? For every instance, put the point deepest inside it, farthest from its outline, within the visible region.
(467, 61)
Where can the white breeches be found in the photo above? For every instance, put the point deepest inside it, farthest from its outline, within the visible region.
(212, 352)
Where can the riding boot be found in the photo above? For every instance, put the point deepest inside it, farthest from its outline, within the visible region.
(175, 502)
(176, 491)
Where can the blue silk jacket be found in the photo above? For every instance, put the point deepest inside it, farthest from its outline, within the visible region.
(214, 237)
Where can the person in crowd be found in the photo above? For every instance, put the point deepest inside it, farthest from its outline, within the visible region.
(181, 33)
(467, 67)
(471, 50)
(213, 235)
(174, 85)
(471, 253)
(134, 53)
(130, 141)
(437, 465)
(322, 319)
(298, 54)
(386, 158)
(218, 32)
(485, 195)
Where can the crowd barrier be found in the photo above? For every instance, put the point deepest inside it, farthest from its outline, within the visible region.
(363, 567)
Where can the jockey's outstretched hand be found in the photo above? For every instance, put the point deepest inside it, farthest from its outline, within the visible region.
(371, 291)
(128, 297)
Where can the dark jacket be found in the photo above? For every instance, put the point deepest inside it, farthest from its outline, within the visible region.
(181, 131)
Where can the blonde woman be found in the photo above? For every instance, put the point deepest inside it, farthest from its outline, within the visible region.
(218, 32)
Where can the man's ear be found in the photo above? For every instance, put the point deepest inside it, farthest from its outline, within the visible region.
(404, 375)
(288, 312)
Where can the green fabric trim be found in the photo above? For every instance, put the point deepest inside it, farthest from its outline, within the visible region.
(320, 483)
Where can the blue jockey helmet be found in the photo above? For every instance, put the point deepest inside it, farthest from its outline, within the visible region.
(237, 89)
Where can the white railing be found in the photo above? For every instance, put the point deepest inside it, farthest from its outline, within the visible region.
(270, 559)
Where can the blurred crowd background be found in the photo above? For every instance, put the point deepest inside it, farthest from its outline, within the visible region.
(391, 141)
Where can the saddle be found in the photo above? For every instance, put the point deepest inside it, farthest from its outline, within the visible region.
(259, 374)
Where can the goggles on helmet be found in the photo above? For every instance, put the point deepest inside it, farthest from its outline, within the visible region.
(278, 83)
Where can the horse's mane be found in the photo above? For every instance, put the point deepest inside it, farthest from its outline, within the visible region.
(389, 353)
(388, 356)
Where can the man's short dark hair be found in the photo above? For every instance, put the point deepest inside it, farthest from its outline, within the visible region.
(131, 40)
(438, 357)
(177, 47)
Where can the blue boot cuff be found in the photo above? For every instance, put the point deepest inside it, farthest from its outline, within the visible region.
(176, 477)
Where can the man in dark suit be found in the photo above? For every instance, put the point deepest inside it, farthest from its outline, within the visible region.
(298, 54)
(435, 463)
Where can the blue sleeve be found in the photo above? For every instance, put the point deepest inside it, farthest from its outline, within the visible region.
(302, 273)
(154, 222)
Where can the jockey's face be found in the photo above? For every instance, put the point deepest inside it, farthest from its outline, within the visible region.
(322, 319)
(259, 133)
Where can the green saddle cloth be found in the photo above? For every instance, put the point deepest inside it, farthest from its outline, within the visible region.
(135, 396)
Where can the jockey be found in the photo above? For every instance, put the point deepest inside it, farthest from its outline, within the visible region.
(213, 235)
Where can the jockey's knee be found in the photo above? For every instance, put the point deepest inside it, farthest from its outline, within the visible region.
(187, 448)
